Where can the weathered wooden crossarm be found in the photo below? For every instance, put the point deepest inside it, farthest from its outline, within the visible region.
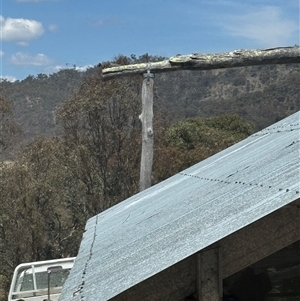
(237, 58)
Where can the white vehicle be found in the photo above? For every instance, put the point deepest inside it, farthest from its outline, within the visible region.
(39, 281)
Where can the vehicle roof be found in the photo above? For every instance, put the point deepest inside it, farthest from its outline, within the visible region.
(51, 262)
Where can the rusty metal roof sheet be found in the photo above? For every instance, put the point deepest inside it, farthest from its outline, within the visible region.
(176, 218)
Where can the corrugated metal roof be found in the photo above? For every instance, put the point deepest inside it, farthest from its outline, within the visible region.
(176, 218)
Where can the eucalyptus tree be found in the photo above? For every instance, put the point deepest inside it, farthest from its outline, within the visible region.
(41, 216)
(9, 129)
(102, 139)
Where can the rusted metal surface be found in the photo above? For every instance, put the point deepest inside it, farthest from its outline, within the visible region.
(164, 226)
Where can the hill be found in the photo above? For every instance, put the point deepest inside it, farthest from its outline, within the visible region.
(36, 99)
(260, 94)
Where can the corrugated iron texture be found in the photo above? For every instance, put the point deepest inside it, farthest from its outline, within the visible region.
(176, 218)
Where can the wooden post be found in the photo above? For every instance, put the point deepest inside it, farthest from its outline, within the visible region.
(209, 276)
(147, 130)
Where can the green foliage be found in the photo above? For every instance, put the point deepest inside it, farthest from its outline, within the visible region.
(192, 140)
(212, 133)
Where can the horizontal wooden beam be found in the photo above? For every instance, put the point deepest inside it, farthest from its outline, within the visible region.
(197, 61)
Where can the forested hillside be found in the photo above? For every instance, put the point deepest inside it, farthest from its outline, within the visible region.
(71, 143)
(36, 99)
(259, 94)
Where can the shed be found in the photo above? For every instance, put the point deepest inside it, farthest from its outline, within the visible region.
(189, 232)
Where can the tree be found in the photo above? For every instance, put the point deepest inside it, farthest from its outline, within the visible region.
(192, 140)
(42, 214)
(102, 134)
(42, 208)
(9, 130)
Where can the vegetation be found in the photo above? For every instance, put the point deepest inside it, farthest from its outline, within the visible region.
(189, 141)
(260, 94)
(9, 128)
(80, 149)
(101, 134)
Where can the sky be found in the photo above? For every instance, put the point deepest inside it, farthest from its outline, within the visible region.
(45, 36)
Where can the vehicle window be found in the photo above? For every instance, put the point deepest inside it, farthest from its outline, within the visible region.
(57, 278)
(41, 280)
(25, 281)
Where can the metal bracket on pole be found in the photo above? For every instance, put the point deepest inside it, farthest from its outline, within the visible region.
(148, 75)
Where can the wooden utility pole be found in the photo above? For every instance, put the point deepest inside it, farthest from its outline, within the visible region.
(147, 130)
(195, 61)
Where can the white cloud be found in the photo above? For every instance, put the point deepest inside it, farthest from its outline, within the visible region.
(20, 31)
(54, 69)
(53, 27)
(1, 53)
(23, 59)
(9, 78)
(265, 25)
(83, 68)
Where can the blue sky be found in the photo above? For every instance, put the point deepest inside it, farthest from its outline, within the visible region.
(44, 36)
